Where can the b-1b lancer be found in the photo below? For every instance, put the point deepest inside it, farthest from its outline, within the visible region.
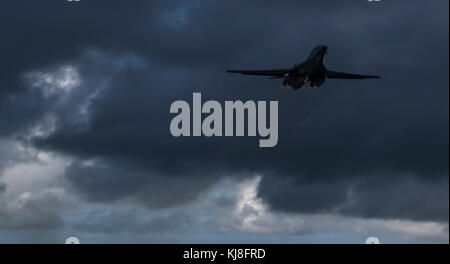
(311, 70)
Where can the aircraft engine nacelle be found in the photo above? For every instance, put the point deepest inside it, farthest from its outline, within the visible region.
(294, 82)
(317, 82)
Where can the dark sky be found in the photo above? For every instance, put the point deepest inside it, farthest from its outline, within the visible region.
(92, 82)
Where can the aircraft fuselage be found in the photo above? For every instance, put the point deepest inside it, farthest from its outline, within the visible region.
(311, 70)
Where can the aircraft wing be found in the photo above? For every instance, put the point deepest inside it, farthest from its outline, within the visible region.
(273, 73)
(343, 75)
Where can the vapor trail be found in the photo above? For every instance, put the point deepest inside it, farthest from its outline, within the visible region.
(219, 84)
(332, 100)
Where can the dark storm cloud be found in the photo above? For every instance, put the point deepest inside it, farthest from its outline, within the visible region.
(383, 141)
(107, 183)
(377, 195)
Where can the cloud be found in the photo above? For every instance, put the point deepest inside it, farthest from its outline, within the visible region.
(103, 182)
(32, 196)
(252, 215)
(232, 207)
(97, 103)
(34, 211)
(371, 196)
(2, 188)
(133, 141)
(63, 80)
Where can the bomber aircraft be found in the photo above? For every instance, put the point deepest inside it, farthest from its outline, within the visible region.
(311, 70)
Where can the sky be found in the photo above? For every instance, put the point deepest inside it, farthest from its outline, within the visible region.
(86, 149)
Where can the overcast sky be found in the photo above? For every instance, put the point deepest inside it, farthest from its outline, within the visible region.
(86, 150)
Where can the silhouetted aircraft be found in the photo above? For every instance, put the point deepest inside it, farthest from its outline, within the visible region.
(311, 70)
